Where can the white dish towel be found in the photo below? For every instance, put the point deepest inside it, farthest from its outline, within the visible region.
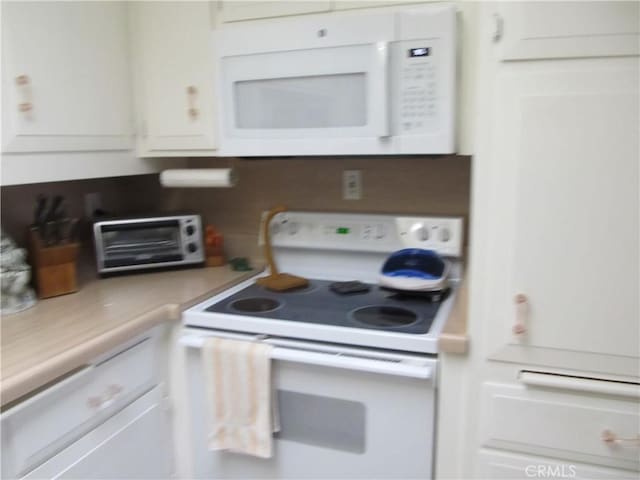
(242, 409)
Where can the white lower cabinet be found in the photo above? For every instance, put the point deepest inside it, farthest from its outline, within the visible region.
(135, 443)
(577, 426)
(497, 465)
(107, 420)
(565, 214)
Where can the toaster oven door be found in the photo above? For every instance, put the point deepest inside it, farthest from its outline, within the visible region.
(121, 246)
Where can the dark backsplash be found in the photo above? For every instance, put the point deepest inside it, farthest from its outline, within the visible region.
(120, 196)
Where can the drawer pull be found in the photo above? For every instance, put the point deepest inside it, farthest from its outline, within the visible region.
(24, 89)
(611, 438)
(192, 96)
(22, 80)
(114, 390)
(522, 312)
(105, 401)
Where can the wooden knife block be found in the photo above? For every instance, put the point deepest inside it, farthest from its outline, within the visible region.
(54, 268)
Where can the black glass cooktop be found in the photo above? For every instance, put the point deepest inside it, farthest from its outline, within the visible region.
(376, 309)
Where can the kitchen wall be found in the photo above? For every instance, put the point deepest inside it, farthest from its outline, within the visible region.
(437, 185)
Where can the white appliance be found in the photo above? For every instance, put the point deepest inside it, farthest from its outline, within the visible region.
(372, 82)
(356, 375)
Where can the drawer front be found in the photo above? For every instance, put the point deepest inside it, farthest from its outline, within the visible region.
(46, 423)
(498, 465)
(106, 452)
(561, 424)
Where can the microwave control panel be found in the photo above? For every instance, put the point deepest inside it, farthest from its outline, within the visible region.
(417, 108)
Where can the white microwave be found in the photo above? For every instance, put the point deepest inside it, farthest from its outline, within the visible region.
(352, 83)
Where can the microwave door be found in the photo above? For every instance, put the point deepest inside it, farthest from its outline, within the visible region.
(315, 95)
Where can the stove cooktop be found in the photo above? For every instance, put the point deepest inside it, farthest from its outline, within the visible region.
(376, 309)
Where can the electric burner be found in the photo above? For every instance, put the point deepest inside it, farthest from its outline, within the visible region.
(254, 305)
(376, 309)
(384, 316)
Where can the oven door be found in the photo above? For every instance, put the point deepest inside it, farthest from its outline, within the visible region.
(344, 413)
(288, 99)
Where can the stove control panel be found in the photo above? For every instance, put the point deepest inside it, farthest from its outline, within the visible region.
(375, 233)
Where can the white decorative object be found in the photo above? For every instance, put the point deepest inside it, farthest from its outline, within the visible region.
(15, 274)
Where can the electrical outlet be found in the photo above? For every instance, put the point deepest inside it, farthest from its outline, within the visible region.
(92, 202)
(352, 185)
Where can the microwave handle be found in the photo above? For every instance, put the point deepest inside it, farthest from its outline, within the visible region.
(382, 59)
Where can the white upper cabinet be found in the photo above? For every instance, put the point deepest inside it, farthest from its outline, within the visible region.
(65, 77)
(565, 210)
(174, 78)
(236, 10)
(568, 29)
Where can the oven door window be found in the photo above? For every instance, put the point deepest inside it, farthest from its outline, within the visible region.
(335, 423)
(141, 243)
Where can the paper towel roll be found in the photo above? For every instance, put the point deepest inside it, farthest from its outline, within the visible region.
(199, 177)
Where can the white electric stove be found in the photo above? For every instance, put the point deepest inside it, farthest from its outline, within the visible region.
(355, 373)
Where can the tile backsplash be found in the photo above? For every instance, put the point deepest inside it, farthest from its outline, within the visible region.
(414, 185)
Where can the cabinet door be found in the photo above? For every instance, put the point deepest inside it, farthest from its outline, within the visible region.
(65, 76)
(133, 444)
(174, 76)
(565, 216)
(569, 29)
(236, 10)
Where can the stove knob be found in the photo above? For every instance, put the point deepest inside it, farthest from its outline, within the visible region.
(293, 228)
(190, 230)
(192, 247)
(445, 235)
(422, 233)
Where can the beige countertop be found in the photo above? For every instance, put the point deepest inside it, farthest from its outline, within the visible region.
(454, 337)
(60, 334)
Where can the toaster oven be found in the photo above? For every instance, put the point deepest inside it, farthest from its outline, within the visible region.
(148, 242)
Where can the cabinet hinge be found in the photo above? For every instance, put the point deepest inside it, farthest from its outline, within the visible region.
(498, 27)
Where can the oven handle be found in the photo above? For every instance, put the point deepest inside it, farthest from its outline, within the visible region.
(337, 360)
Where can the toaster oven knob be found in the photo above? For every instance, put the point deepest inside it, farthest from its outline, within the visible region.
(190, 229)
(192, 247)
